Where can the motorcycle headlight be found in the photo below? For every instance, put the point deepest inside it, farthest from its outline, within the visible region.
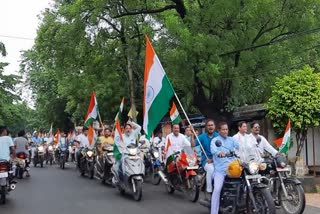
(89, 153)
(156, 154)
(253, 167)
(50, 148)
(191, 161)
(262, 166)
(40, 148)
(133, 151)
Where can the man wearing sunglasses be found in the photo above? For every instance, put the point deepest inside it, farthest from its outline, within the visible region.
(262, 144)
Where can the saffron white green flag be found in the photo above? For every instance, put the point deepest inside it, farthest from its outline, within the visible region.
(92, 112)
(174, 114)
(158, 91)
(284, 143)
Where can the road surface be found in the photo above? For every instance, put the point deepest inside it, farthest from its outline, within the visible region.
(52, 190)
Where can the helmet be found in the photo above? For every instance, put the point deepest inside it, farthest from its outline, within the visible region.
(234, 169)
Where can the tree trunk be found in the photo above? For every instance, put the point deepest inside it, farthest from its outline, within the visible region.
(301, 139)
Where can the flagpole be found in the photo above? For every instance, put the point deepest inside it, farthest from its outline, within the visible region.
(100, 121)
(175, 94)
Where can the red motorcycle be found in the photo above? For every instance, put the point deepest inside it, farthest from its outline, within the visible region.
(181, 173)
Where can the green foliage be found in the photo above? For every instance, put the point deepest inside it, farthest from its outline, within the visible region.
(218, 54)
(296, 96)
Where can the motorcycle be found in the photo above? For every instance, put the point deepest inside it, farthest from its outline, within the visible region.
(50, 155)
(87, 162)
(243, 189)
(62, 156)
(155, 164)
(7, 183)
(181, 173)
(21, 164)
(38, 156)
(104, 164)
(286, 190)
(73, 153)
(129, 177)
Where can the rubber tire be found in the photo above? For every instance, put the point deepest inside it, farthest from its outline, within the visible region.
(156, 179)
(3, 195)
(138, 194)
(195, 182)
(41, 162)
(170, 189)
(267, 197)
(51, 162)
(20, 173)
(301, 194)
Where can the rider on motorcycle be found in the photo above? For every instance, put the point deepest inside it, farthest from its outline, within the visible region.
(63, 142)
(205, 140)
(83, 141)
(221, 164)
(175, 142)
(263, 145)
(21, 145)
(6, 145)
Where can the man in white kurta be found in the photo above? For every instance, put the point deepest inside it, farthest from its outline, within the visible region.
(175, 141)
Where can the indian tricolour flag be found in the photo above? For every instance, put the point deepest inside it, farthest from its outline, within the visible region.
(158, 91)
(119, 113)
(284, 143)
(92, 112)
(174, 114)
(118, 146)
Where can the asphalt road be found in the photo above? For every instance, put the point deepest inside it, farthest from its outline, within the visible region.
(51, 190)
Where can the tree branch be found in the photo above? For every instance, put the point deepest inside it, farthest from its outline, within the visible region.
(273, 41)
(111, 24)
(130, 13)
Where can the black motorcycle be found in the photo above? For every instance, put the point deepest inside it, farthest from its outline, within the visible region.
(50, 155)
(38, 156)
(7, 183)
(286, 190)
(87, 161)
(63, 156)
(243, 191)
(103, 165)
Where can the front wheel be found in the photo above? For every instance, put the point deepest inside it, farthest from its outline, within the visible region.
(156, 179)
(264, 202)
(41, 162)
(21, 170)
(138, 194)
(194, 190)
(3, 195)
(296, 202)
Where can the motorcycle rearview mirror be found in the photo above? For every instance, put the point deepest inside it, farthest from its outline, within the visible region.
(258, 140)
(218, 143)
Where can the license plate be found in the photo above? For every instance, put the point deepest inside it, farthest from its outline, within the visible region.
(286, 169)
(253, 176)
(3, 174)
(193, 167)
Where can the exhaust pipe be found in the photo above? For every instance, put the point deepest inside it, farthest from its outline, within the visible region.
(163, 177)
(13, 186)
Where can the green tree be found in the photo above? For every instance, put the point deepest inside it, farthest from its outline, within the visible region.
(296, 96)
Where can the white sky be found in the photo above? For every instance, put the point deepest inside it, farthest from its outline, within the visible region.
(18, 18)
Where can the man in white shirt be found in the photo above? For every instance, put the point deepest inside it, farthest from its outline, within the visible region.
(263, 145)
(242, 135)
(131, 133)
(82, 139)
(6, 145)
(177, 141)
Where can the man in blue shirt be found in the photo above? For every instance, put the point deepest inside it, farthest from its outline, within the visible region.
(205, 140)
(221, 162)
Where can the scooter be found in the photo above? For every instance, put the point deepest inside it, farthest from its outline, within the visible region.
(129, 173)
(104, 164)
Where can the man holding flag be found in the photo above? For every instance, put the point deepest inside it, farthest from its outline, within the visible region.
(262, 144)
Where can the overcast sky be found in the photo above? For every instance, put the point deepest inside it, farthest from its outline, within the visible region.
(18, 19)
